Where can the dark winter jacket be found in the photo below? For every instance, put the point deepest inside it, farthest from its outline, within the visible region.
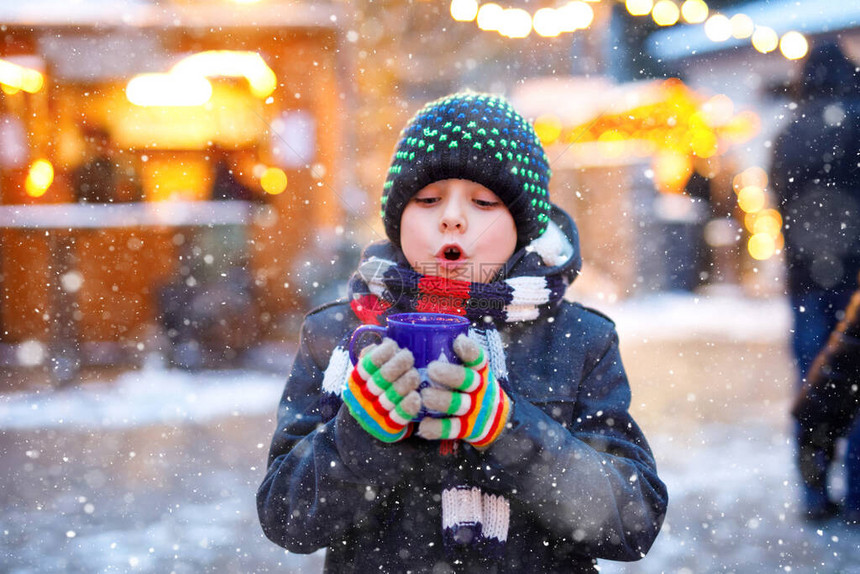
(579, 474)
(815, 177)
(830, 400)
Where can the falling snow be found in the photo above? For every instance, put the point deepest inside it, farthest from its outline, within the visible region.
(157, 470)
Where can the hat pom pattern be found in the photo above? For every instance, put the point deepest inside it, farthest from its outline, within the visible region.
(478, 137)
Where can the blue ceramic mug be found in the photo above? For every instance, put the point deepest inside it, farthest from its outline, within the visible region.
(430, 336)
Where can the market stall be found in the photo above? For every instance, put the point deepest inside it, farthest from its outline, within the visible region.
(163, 145)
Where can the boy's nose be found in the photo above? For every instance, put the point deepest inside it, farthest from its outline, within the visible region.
(453, 218)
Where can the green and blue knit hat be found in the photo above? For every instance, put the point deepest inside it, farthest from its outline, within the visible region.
(479, 137)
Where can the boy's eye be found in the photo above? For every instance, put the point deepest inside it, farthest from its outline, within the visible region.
(486, 203)
(426, 200)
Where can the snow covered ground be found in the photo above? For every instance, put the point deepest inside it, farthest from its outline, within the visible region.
(156, 470)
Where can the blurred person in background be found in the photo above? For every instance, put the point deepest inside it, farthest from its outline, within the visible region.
(225, 183)
(95, 179)
(817, 184)
(828, 406)
(107, 174)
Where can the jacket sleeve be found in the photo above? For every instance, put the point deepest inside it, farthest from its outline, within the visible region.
(829, 401)
(584, 470)
(324, 478)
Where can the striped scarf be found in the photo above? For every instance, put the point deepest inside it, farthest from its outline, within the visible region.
(471, 517)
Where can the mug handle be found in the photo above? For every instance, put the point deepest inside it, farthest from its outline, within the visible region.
(358, 334)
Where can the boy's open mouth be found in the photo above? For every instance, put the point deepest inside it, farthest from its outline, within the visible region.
(451, 252)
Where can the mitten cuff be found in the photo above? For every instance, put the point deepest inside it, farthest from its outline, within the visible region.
(499, 421)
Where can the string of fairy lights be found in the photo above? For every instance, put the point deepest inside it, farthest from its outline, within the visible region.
(763, 223)
(570, 16)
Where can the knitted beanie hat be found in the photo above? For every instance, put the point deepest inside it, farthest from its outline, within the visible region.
(478, 137)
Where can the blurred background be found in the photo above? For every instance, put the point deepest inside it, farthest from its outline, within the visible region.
(180, 180)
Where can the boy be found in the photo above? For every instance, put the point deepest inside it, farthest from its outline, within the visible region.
(534, 464)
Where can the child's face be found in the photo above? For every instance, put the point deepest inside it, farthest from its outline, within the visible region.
(457, 229)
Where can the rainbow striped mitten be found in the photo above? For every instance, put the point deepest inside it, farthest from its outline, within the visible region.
(477, 408)
(381, 391)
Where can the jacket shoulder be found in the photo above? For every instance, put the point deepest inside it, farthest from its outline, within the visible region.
(326, 326)
(329, 319)
(590, 317)
(328, 311)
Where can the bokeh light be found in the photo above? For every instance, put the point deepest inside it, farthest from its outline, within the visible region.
(694, 11)
(764, 39)
(15, 78)
(719, 109)
(32, 81)
(547, 22)
(765, 221)
(742, 26)
(751, 198)
(761, 246)
(490, 17)
(168, 90)
(755, 176)
(718, 28)
(232, 64)
(671, 171)
(515, 23)
(639, 7)
(703, 142)
(575, 15)
(666, 13)
(548, 128)
(39, 178)
(273, 181)
(464, 10)
(793, 45)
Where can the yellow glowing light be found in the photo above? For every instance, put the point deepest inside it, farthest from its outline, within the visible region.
(767, 221)
(547, 22)
(490, 16)
(168, 90)
(575, 15)
(751, 198)
(761, 246)
(639, 7)
(764, 39)
(671, 171)
(752, 176)
(39, 178)
(742, 26)
(548, 128)
(231, 64)
(694, 11)
(516, 23)
(32, 81)
(176, 179)
(718, 28)
(273, 181)
(612, 136)
(613, 143)
(703, 142)
(749, 221)
(741, 128)
(793, 45)
(464, 10)
(15, 78)
(719, 109)
(666, 13)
